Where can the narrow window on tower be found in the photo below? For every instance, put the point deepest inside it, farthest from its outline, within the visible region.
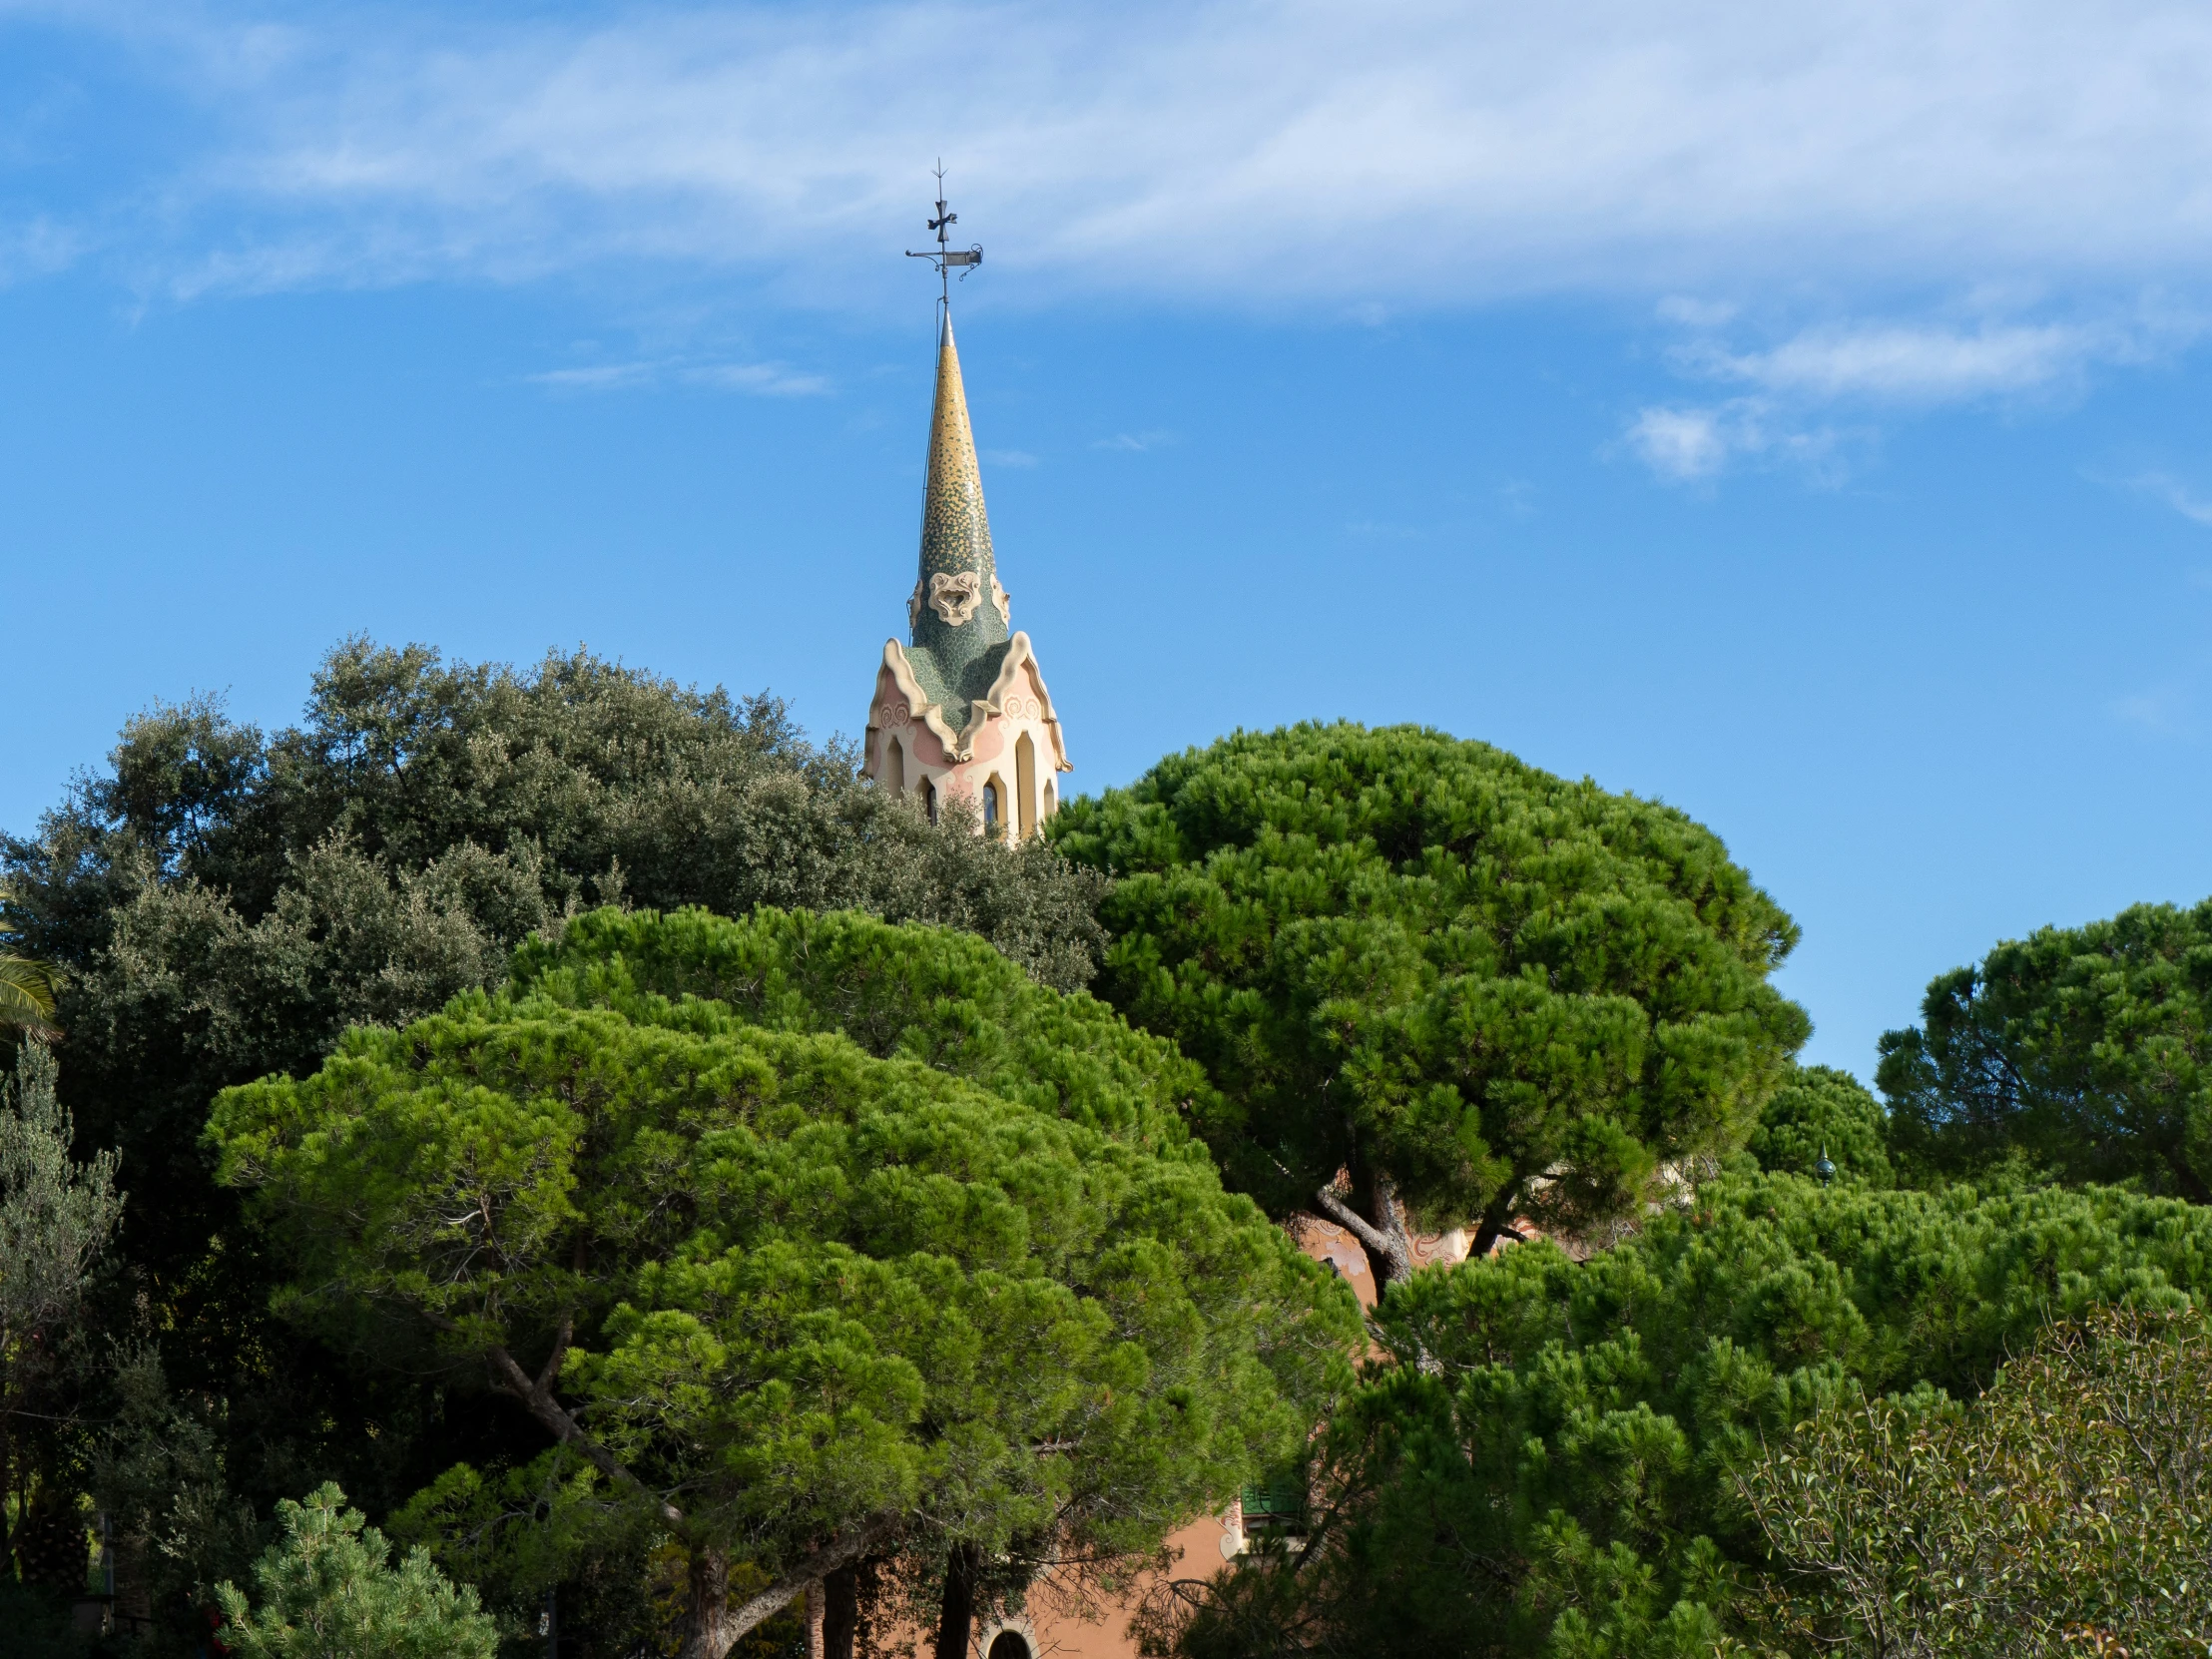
(895, 769)
(990, 805)
(1025, 786)
(929, 799)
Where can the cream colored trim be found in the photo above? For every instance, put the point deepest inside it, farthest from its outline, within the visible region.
(1020, 655)
(922, 709)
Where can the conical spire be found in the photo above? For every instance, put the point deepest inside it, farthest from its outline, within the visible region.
(958, 609)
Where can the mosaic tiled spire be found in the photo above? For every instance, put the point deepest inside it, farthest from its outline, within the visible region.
(958, 610)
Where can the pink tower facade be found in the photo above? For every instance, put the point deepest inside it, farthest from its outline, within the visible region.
(960, 712)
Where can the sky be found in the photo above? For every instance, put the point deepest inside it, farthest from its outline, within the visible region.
(1796, 415)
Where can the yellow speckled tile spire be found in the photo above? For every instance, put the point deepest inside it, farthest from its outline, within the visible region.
(958, 612)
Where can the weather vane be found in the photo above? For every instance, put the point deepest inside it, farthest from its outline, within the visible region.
(945, 256)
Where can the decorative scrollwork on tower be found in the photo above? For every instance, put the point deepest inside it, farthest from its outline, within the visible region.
(954, 594)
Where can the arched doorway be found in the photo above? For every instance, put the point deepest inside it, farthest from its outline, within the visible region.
(1009, 1644)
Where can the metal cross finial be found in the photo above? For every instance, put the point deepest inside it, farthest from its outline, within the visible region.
(945, 256)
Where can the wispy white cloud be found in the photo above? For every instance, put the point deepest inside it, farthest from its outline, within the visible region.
(1010, 457)
(2162, 487)
(1926, 362)
(761, 380)
(1697, 313)
(1682, 445)
(1693, 444)
(598, 377)
(1872, 364)
(2163, 709)
(1135, 443)
(1400, 153)
(38, 247)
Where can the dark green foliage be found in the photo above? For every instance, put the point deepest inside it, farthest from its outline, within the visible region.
(925, 994)
(2086, 1053)
(160, 1473)
(2067, 1511)
(1419, 961)
(1820, 1109)
(972, 1280)
(222, 902)
(38, 1622)
(1546, 1467)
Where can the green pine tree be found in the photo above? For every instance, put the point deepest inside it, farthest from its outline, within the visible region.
(327, 1590)
(2083, 1053)
(1482, 991)
(956, 1283)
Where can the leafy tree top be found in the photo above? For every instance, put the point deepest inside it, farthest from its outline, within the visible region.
(219, 902)
(940, 998)
(1483, 990)
(785, 1297)
(1820, 1110)
(2085, 1052)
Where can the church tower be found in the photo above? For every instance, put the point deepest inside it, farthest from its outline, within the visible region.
(960, 711)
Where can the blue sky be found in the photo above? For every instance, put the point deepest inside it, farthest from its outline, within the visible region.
(1801, 418)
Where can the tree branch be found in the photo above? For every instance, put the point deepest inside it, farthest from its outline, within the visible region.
(839, 1551)
(539, 1402)
(1345, 1217)
(561, 1338)
(1391, 1257)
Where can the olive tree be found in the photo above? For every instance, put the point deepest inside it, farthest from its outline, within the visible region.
(58, 1217)
(2069, 1511)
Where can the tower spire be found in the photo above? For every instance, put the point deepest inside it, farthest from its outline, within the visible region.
(960, 712)
(958, 611)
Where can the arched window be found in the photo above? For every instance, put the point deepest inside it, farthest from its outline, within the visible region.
(1051, 799)
(929, 799)
(1025, 786)
(1009, 1645)
(895, 769)
(990, 805)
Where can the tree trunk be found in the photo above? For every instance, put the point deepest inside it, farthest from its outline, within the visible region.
(710, 1600)
(7, 1479)
(1389, 1220)
(1496, 1223)
(814, 1610)
(841, 1612)
(1381, 1231)
(962, 1567)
